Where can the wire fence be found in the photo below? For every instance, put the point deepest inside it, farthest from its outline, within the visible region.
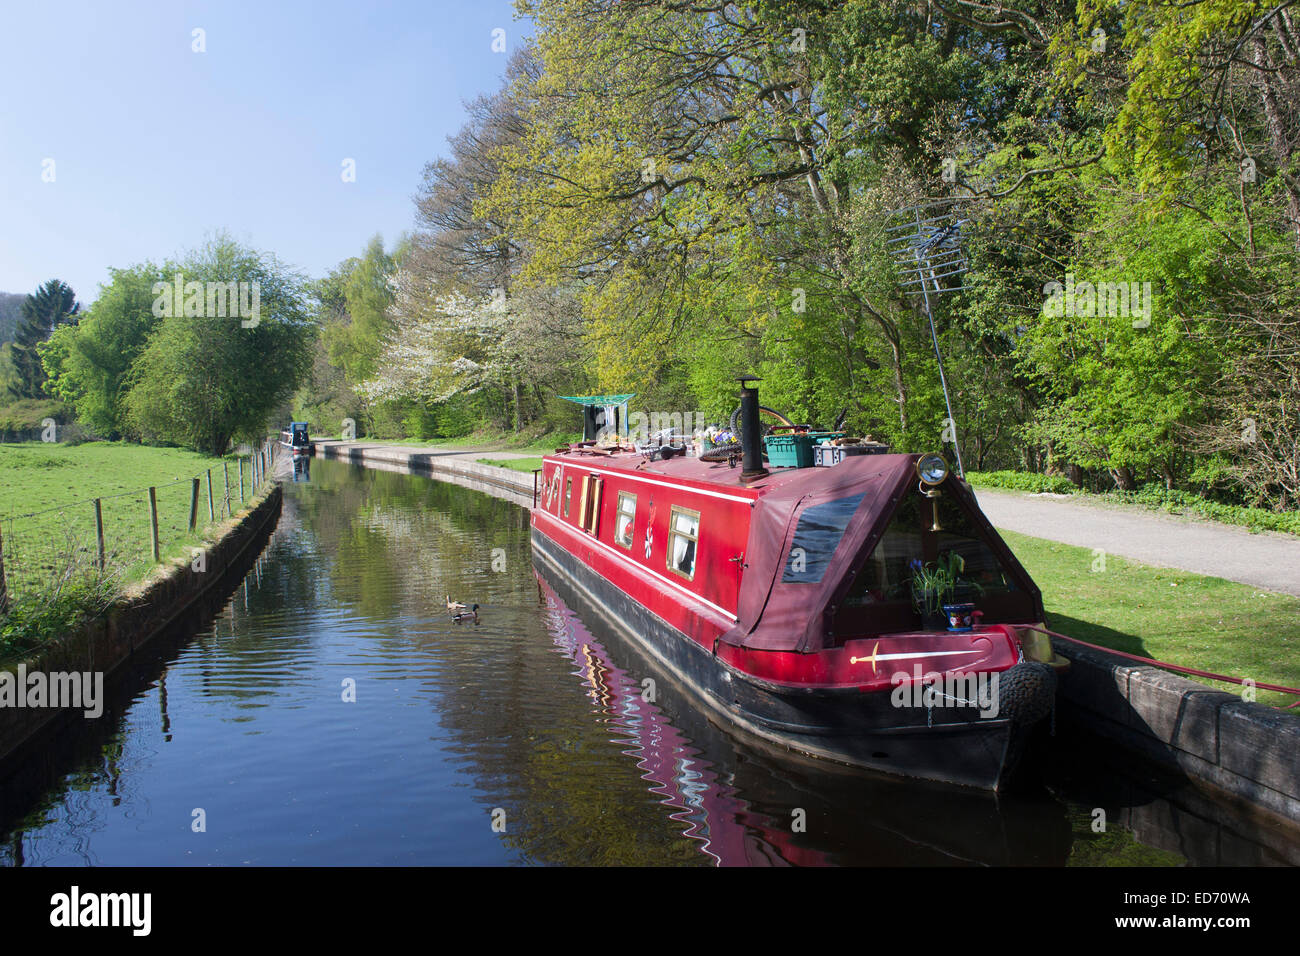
(120, 537)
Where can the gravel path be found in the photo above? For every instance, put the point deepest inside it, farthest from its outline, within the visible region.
(1265, 560)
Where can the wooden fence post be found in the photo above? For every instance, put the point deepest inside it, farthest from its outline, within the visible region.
(194, 503)
(225, 474)
(241, 481)
(99, 532)
(212, 513)
(153, 522)
(4, 591)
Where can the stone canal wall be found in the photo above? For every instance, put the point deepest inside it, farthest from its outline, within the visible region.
(99, 646)
(1247, 750)
(452, 466)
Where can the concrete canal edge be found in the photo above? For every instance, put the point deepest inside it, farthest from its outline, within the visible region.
(513, 486)
(106, 642)
(1247, 751)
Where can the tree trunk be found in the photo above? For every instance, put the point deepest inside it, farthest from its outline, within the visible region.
(900, 383)
(1123, 477)
(1277, 133)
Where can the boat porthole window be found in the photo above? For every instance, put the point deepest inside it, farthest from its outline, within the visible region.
(568, 495)
(552, 489)
(683, 535)
(626, 518)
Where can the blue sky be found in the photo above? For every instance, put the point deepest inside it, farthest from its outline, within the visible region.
(156, 146)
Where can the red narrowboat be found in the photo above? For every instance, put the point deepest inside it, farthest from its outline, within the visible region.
(795, 602)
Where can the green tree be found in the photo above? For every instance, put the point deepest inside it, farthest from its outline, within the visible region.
(205, 380)
(50, 306)
(360, 294)
(89, 364)
(1124, 390)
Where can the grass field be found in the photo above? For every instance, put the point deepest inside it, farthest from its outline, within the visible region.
(1207, 623)
(514, 464)
(48, 521)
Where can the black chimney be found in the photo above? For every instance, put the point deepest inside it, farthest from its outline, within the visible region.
(590, 426)
(750, 431)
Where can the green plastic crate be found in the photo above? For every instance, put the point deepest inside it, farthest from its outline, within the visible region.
(789, 451)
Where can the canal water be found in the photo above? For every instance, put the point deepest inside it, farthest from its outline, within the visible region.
(331, 711)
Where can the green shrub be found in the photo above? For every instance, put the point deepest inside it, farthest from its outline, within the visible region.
(36, 619)
(420, 422)
(1022, 481)
(1184, 502)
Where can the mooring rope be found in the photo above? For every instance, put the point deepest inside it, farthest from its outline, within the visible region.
(1293, 691)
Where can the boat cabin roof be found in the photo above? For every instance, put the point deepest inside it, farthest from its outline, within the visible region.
(811, 533)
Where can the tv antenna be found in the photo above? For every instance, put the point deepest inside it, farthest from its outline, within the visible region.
(927, 250)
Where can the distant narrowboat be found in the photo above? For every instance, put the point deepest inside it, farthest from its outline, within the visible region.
(863, 612)
(297, 440)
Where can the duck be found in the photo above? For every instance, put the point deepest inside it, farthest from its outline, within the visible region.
(455, 605)
(470, 615)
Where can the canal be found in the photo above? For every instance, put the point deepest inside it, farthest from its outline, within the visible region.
(331, 711)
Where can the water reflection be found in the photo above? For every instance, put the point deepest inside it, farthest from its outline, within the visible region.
(711, 811)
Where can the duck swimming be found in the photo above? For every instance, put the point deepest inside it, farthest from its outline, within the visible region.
(470, 615)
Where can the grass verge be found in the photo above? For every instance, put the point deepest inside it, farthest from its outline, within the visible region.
(514, 464)
(1175, 616)
(48, 524)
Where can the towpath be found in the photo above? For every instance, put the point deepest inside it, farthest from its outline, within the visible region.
(1264, 560)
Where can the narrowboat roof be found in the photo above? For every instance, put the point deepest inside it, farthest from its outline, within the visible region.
(838, 513)
(694, 470)
(779, 482)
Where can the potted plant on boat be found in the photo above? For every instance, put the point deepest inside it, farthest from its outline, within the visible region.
(939, 593)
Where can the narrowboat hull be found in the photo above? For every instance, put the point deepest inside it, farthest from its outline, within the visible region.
(863, 730)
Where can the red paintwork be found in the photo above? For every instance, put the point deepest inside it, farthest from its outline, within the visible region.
(852, 665)
(705, 607)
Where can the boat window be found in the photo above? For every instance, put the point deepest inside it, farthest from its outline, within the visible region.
(981, 568)
(626, 518)
(910, 539)
(683, 534)
(552, 489)
(568, 495)
(818, 534)
(591, 493)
